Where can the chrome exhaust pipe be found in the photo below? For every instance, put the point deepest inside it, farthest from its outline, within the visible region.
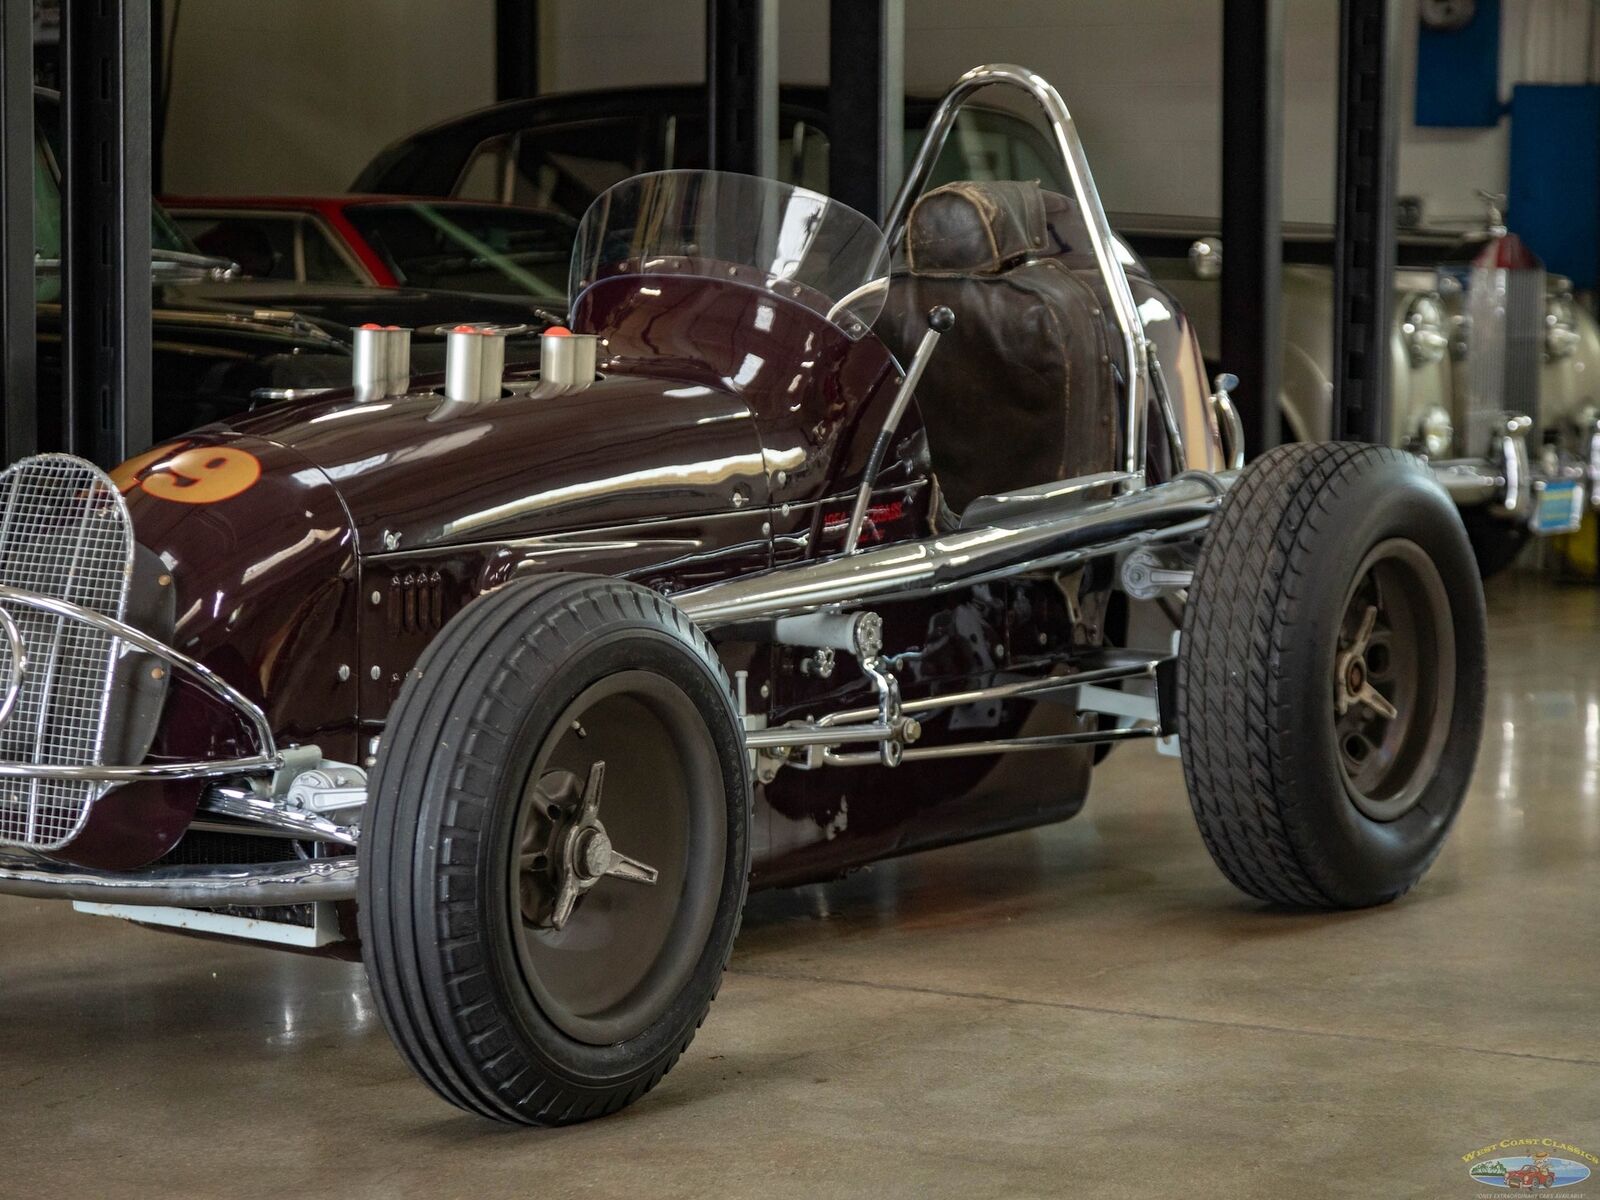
(300, 882)
(904, 570)
(380, 361)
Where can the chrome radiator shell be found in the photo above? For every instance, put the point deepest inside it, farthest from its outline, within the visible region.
(1503, 350)
(65, 534)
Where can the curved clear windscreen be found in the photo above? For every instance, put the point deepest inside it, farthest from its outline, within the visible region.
(715, 225)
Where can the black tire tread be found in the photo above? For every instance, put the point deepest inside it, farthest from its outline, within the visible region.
(1230, 708)
(425, 1009)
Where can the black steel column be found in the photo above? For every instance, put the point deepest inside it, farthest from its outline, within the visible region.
(19, 378)
(159, 90)
(1252, 212)
(516, 49)
(1363, 248)
(866, 102)
(106, 227)
(742, 85)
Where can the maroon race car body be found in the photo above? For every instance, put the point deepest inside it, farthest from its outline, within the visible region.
(781, 563)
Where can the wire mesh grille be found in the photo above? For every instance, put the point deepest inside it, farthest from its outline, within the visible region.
(65, 534)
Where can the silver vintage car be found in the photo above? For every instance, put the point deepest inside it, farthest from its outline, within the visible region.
(1496, 368)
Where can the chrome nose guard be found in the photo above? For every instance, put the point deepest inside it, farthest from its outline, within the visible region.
(266, 759)
(67, 557)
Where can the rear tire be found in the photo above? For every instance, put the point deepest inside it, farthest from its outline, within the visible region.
(1330, 568)
(479, 815)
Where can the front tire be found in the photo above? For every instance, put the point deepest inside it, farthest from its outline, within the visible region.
(1330, 677)
(556, 850)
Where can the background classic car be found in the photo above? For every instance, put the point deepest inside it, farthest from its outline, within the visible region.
(1440, 405)
(386, 241)
(224, 342)
(558, 152)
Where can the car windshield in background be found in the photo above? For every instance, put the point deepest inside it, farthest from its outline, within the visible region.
(791, 241)
(164, 235)
(471, 248)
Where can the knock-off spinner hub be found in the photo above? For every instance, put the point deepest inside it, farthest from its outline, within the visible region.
(591, 851)
(587, 855)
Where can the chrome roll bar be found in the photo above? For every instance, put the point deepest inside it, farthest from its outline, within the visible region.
(1101, 240)
(267, 757)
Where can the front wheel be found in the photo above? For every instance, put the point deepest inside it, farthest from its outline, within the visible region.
(1330, 676)
(556, 852)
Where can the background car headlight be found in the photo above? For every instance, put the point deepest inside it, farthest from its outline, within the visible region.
(1424, 329)
(1436, 433)
(1560, 327)
(1205, 258)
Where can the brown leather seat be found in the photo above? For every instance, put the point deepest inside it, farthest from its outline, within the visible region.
(1021, 391)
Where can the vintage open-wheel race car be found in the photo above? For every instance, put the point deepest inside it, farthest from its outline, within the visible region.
(809, 547)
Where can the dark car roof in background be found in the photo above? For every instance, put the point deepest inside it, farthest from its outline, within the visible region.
(434, 171)
(395, 169)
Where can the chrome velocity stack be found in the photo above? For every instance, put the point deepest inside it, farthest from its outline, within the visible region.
(64, 534)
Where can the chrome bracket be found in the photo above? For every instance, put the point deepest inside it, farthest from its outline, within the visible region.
(1594, 464)
(1510, 454)
(1151, 572)
(328, 788)
(1229, 423)
(803, 744)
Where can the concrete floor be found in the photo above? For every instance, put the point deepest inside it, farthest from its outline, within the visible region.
(1084, 1009)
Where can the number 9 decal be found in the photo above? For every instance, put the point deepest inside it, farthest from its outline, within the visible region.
(197, 475)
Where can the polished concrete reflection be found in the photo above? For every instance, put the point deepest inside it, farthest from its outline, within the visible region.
(1085, 1009)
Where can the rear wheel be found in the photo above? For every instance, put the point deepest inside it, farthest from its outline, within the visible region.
(556, 855)
(1330, 678)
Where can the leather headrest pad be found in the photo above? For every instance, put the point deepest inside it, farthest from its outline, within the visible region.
(974, 228)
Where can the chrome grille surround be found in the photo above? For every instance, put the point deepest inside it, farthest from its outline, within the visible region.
(1504, 351)
(65, 534)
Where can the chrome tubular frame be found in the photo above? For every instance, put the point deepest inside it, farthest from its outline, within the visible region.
(904, 570)
(258, 884)
(266, 759)
(1069, 144)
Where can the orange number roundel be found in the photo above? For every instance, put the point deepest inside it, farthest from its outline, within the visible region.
(197, 475)
(126, 476)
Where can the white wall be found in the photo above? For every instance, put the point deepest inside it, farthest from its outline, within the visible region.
(1141, 77)
(296, 95)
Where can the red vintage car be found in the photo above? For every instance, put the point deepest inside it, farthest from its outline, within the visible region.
(386, 241)
(784, 560)
(1533, 1175)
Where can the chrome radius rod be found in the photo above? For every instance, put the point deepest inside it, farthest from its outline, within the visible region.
(1101, 240)
(1049, 741)
(1022, 689)
(820, 738)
